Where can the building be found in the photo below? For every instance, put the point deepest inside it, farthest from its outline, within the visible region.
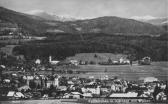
(74, 62)
(93, 89)
(53, 62)
(38, 61)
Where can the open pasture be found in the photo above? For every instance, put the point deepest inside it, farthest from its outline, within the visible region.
(128, 72)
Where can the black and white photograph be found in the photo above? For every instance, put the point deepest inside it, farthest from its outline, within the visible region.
(83, 51)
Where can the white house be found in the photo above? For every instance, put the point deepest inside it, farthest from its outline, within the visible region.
(75, 95)
(88, 95)
(56, 82)
(7, 80)
(54, 62)
(74, 62)
(13, 94)
(121, 60)
(93, 89)
(38, 61)
(125, 61)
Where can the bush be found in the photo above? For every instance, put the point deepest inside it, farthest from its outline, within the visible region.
(92, 63)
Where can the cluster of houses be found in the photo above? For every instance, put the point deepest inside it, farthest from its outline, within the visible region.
(121, 61)
(35, 86)
(32, 85)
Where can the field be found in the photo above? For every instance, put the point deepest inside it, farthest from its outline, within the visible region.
(127, 72)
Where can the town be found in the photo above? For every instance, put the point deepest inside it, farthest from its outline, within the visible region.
(61, 80)
(83, 52)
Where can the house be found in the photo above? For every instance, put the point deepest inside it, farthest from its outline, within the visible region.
(2, 66)
(105, 88)
(93, 89)
(49, 83)
(121, 60)
(7, 80)
(28, 77)
(82, 62)
(87, 95)
(53, 62)
(161, 96)
(38, 61)
(62, 88)
(148, 79)
(11, 94)
(70, 82)
(20, 57)
(74, 62)
(145, 61)
(115, 62)
(73, 95)
(124, 61)
(56, 82)
(14, 95)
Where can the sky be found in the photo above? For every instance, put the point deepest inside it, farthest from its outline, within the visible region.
(92, 8)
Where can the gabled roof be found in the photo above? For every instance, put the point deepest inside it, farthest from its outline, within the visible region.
(10, 93)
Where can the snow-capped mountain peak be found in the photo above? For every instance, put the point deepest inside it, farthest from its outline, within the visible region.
(144, 18)
(50, 16)
(34, 12)
(151, 19)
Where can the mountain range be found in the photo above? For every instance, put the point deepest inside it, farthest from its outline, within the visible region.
(50, 16)
(152, 20)
(42, 22)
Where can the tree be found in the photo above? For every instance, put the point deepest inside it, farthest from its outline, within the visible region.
(38, 86)
(95, 56)
(109, 60)
(32, 85)
(156, 91)
(166, 89)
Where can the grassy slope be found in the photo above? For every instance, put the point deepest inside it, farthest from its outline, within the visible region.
(101, 57)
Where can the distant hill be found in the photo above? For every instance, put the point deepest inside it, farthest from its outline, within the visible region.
(116, 25)
(107, 25)
(158, 21)
(151, 19)
(26, 22)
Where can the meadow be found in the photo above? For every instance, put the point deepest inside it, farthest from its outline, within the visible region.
(127, 72)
